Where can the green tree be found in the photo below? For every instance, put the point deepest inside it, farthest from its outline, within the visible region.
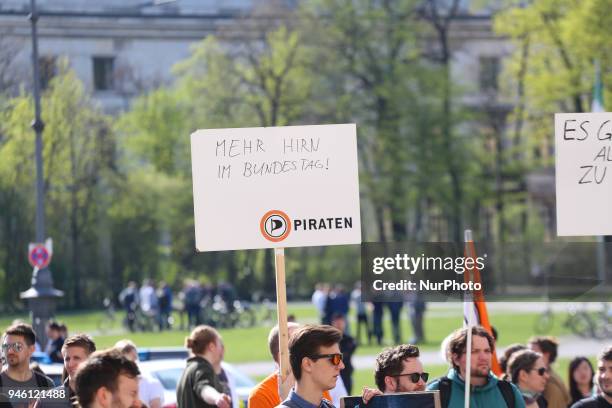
(373, 69)
(77, 150)
(551, 70)
(262, 82)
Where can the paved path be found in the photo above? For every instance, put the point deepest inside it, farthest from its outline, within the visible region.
(570, 346)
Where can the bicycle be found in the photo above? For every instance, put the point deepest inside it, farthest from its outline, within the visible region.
(217, 313)
(580, 321)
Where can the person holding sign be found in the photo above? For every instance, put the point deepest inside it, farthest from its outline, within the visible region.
(398, 369)
(486, 389)
(316, 361)
(268, 393)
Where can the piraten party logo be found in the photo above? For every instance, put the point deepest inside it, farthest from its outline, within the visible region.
(275, 225)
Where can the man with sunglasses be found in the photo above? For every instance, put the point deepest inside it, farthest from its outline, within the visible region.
(269, 393)
(316, 361)
(18, 346)
(397, 369)
(486, 389)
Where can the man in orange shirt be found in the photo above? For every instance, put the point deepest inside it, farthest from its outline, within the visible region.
(266, 393)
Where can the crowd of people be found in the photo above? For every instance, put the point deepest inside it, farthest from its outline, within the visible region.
(320, 372)
(151, 302)
(331, 300)
(150, 306)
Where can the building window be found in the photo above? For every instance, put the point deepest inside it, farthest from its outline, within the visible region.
(489, 73)
(47, 69)
(103, 73)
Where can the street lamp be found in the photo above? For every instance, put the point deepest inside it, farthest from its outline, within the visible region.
(42, 295)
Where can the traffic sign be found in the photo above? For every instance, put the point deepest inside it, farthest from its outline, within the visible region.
(39, 254)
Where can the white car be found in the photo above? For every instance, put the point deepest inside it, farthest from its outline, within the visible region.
(168, 372)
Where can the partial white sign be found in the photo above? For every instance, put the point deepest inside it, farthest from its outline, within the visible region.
(584, 173)
(275, 187)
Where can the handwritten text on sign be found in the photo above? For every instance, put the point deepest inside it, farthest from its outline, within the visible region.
(239, 157)
(275, 187)
(583, 143)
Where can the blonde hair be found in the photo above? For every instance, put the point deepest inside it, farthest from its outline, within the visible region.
(200, 338)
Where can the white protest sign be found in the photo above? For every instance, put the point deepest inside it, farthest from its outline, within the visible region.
(584, 173)
(275, 187)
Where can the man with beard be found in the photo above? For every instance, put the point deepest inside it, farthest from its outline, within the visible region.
(17, 346)
(107, 380)
(486, 389)
(604, 380)
(397, 369)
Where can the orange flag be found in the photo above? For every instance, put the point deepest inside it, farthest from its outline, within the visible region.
(478, 308)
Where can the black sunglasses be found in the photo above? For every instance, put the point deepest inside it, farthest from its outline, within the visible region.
(335, 358)
(541, 371)
(414, 377)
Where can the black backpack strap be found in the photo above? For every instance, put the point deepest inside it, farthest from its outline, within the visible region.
(445, 385)
(506, 390)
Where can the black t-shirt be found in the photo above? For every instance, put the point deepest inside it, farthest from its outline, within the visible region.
(593, 402)
(198, 374)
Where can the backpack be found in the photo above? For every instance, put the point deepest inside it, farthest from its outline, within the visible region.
(445, 387)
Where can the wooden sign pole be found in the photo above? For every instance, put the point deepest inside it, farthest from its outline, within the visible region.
(281, 306)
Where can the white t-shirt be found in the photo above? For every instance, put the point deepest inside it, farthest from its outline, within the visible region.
(150, 388)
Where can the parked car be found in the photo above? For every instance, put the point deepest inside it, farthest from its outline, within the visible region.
(53, 371)
(168, 372)
(166, 364)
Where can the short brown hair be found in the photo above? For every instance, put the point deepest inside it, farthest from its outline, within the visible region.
(606, 354)
(510, 350)
(458, 342)
(522, 360)
(102, 369)
(200, 338)
(306, 341)
(391, 362)
(273, 344)
(80, 340)
(24, 330)
(547, 344)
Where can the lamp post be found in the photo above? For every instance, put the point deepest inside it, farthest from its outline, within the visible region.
(42, 295)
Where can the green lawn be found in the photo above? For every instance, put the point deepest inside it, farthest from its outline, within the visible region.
(244, 345)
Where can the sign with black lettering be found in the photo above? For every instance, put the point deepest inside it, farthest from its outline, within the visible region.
(275, 187)
(583, 173)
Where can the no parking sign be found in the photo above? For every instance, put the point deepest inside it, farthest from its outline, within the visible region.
(40, 254)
